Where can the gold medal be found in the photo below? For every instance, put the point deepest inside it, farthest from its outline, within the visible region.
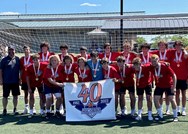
(123, 82)
(25, 69)
(67, 78)
(37, 79)
(94, 75)
(178, 65)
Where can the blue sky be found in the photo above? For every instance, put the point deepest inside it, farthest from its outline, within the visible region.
(92, 6)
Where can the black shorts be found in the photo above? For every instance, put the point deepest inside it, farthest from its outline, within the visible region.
(14, 88)
(181, 84)
(159, 91)
(24, 86)
(147, 89)
(40, 89)
(130, 89)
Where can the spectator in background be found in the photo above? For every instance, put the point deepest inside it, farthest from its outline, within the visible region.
(9, 78)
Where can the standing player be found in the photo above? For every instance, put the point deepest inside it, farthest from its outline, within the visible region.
(35, 80)
(109, 54)
(126, 72)
(127, 53)
(145, 55)
(110, 72)
(45, 54)
(180, 64)
(53, 85)
(95, 66)
(25, 61)
(143, 83)
(83, 72)
(64, 51)
(164, 55)
(9, 78)
(83, 53)
(165, 79)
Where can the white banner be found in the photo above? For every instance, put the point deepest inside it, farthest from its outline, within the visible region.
(90, 101)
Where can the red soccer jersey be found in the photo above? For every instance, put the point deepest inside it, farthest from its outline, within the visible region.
(179, 64)
(127, 75)
(87, 57)
(110, 74)
(129, 58)
(68, 75)
(163, 56)
(112, 56)
(83, 77)
(23, 67)
(44, 57)
(145, 76)
(36, 80)
(48, 74)
(164, 80)
(146, 59)
(62, 57)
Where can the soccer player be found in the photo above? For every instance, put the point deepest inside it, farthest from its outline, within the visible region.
(35, 80)
(83, 53)
(83, 72)
(164, 55)
(45, 54)
(127, 53)
(95, 66)
(179, 64)
(64, 51)
(25, 61)
(109, 54)
(9, 78)
(126, 72)
(145, 55)
(53, 85)
(165, 80)
(110, 72)
(143, 83)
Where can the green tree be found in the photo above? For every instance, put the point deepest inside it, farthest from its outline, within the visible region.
(182, 38)
(140, 40)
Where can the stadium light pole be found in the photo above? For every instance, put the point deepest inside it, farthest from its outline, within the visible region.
(121, 24)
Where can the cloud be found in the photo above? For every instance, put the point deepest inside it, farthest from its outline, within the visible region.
(9, 13)
(90, 4)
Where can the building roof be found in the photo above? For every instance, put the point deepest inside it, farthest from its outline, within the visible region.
(131, 20)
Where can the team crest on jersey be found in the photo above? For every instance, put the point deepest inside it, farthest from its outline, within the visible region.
(92, 102)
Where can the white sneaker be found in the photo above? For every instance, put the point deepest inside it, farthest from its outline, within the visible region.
(34, 111)
(26, 110)
(150, 118)
(183, 113)
(138, 118)
(168, 112)
(175, 119)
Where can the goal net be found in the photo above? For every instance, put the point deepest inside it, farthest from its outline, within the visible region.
(90, 30)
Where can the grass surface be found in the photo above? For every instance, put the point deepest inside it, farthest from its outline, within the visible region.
(11, 124)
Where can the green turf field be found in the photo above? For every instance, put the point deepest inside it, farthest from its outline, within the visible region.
(20, 124)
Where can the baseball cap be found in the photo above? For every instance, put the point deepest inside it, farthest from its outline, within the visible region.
(11, 47)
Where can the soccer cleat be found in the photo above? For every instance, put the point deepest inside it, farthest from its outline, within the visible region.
(158, 118)
(178, 113)
(26, 110)
(168, 112)
(150, 118)
(34, 111)
(48, 115)
(52, 109)
(183, 113)
(58, 114)
(4, 112)
(175, 119)
(15, 112)
(138, 118)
